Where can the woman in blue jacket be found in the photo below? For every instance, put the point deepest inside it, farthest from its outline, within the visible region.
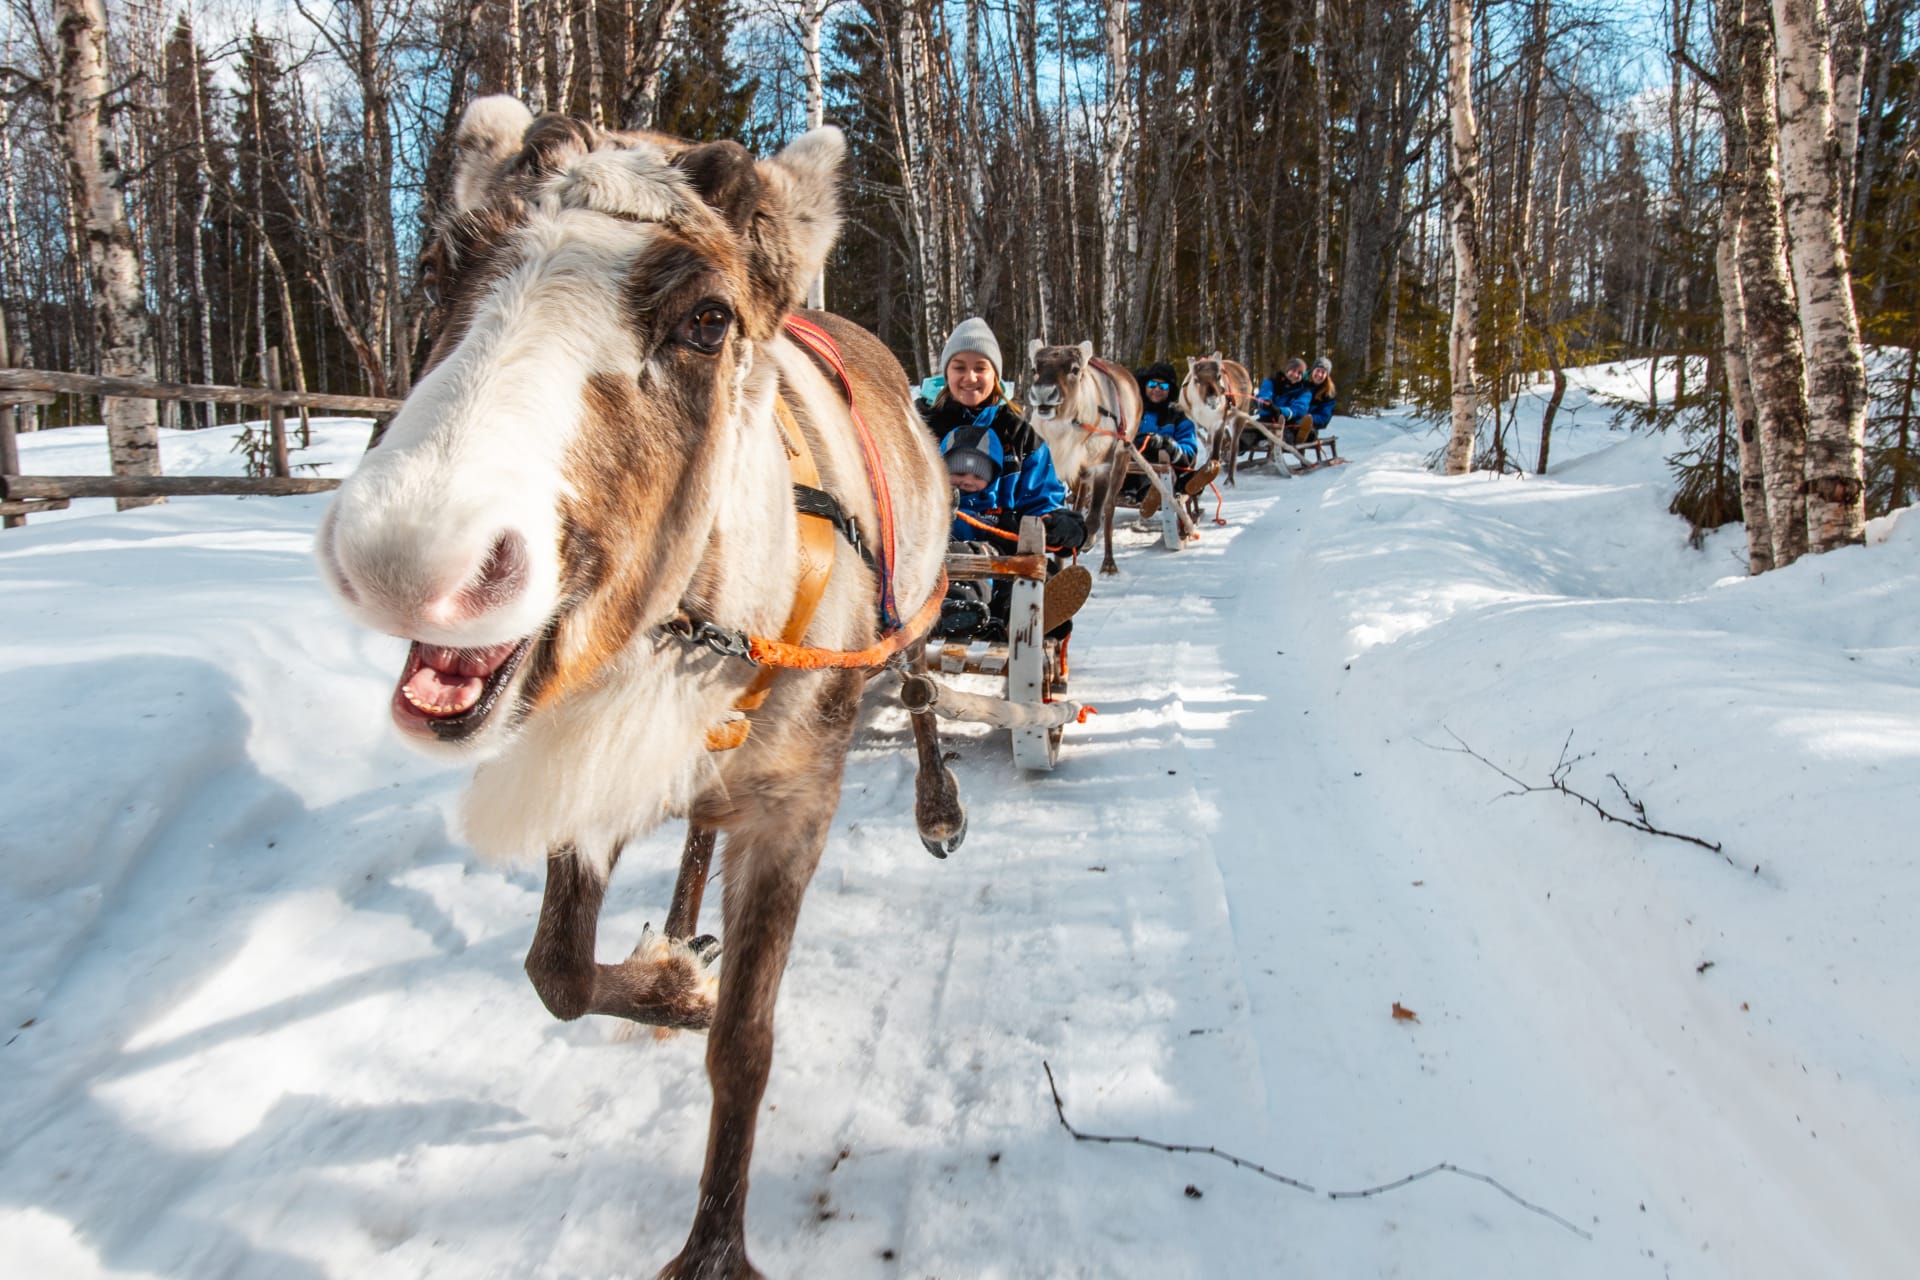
(1002, 472)
(1320, 404)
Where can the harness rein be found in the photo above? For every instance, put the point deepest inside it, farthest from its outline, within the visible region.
(820, 516)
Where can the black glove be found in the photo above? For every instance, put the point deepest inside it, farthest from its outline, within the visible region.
(1066, 530)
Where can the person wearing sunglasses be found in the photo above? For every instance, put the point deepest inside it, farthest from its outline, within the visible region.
(1166, 435)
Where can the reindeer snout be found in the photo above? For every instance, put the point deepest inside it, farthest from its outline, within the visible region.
(458, 591)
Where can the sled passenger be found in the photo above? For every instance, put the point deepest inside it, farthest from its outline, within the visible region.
(1166, 435)
(1320, 404)
(1001, 471)
(1287, 399)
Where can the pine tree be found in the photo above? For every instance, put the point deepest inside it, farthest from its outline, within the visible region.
(702, 92)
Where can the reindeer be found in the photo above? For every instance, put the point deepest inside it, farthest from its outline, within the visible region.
(625, 467)
(1088, 412)
(1218, 396)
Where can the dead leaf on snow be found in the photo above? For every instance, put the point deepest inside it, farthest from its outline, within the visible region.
(1403, 1014)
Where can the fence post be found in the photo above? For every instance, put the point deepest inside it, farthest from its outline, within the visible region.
(276, 413)
(9, 456)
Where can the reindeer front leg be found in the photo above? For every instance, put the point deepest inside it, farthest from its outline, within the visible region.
(662, 984)
(1106, 496)
(770, 854)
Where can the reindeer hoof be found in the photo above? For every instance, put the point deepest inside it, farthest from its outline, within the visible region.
(1109, 569)
(940, 848)
(727, 1261)
(706, 947)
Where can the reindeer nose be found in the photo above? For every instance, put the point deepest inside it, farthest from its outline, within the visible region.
(501, 578)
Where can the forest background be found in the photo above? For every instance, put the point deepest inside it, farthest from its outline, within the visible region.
(1161, 177)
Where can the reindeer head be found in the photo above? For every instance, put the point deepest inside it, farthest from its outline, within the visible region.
(545, 494)
(1205, 378)
(1057, 374)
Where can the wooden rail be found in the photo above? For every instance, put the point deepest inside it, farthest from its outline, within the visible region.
(92, 384)
(22, 495)
(40, 488)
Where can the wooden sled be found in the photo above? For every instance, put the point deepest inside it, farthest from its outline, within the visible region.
(1290, 459)
(1030, 662)
(1176, 529)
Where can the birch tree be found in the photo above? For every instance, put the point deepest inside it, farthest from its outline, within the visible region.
(1463, 181)
(112, 256)
(1776, 361)
(1116, 151)
(1837, 372)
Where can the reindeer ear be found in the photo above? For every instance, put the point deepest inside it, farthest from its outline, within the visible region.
(802, 195)
(1034, 348)
(1215, 357)
(1086, 352)
(489, 135)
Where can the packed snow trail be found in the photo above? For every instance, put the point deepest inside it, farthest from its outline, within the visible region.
(269, 1019)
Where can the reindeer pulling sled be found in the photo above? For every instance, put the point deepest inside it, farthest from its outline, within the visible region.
(1218, 396)
(1088, 411)
(651, 535)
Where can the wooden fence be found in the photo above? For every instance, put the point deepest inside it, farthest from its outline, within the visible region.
(21, 389)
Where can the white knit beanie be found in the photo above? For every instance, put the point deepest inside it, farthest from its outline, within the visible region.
(973, 335)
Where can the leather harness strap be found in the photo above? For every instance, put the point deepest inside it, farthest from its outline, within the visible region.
(821, 344)
(816, 527)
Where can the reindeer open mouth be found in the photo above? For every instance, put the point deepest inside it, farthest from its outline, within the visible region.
(449, 694)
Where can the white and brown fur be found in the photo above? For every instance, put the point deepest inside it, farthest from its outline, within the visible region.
(1218, 395)
(1083, 407)
(571, 469)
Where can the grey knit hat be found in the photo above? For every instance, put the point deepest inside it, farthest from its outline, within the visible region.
(974, 336)
(1324, 362)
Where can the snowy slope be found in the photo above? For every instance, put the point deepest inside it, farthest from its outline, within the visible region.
(265, 1014)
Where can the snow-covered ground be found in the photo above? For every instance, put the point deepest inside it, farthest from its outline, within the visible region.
(264, 1013)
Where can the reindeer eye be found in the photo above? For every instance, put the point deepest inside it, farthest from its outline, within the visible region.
(705, 328)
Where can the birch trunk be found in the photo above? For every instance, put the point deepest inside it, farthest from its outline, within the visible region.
(596, 68)
(112, 258)
(816, 18)
(1753, 480)
(647, 60)
(1849, 63)
(1777, 366)
(1463, 180)
(1116, 145)
(1734, 215)
(1322, 183)
(1837, 371)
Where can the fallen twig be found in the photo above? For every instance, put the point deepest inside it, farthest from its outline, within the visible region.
(1557, 781)
(1182, 1148)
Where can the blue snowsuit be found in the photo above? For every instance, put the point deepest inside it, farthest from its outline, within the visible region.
(1284, 401)
(1321, 407)
(1167, 422)
(1032, 488)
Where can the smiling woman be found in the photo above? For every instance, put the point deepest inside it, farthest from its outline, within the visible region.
(619, 450)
